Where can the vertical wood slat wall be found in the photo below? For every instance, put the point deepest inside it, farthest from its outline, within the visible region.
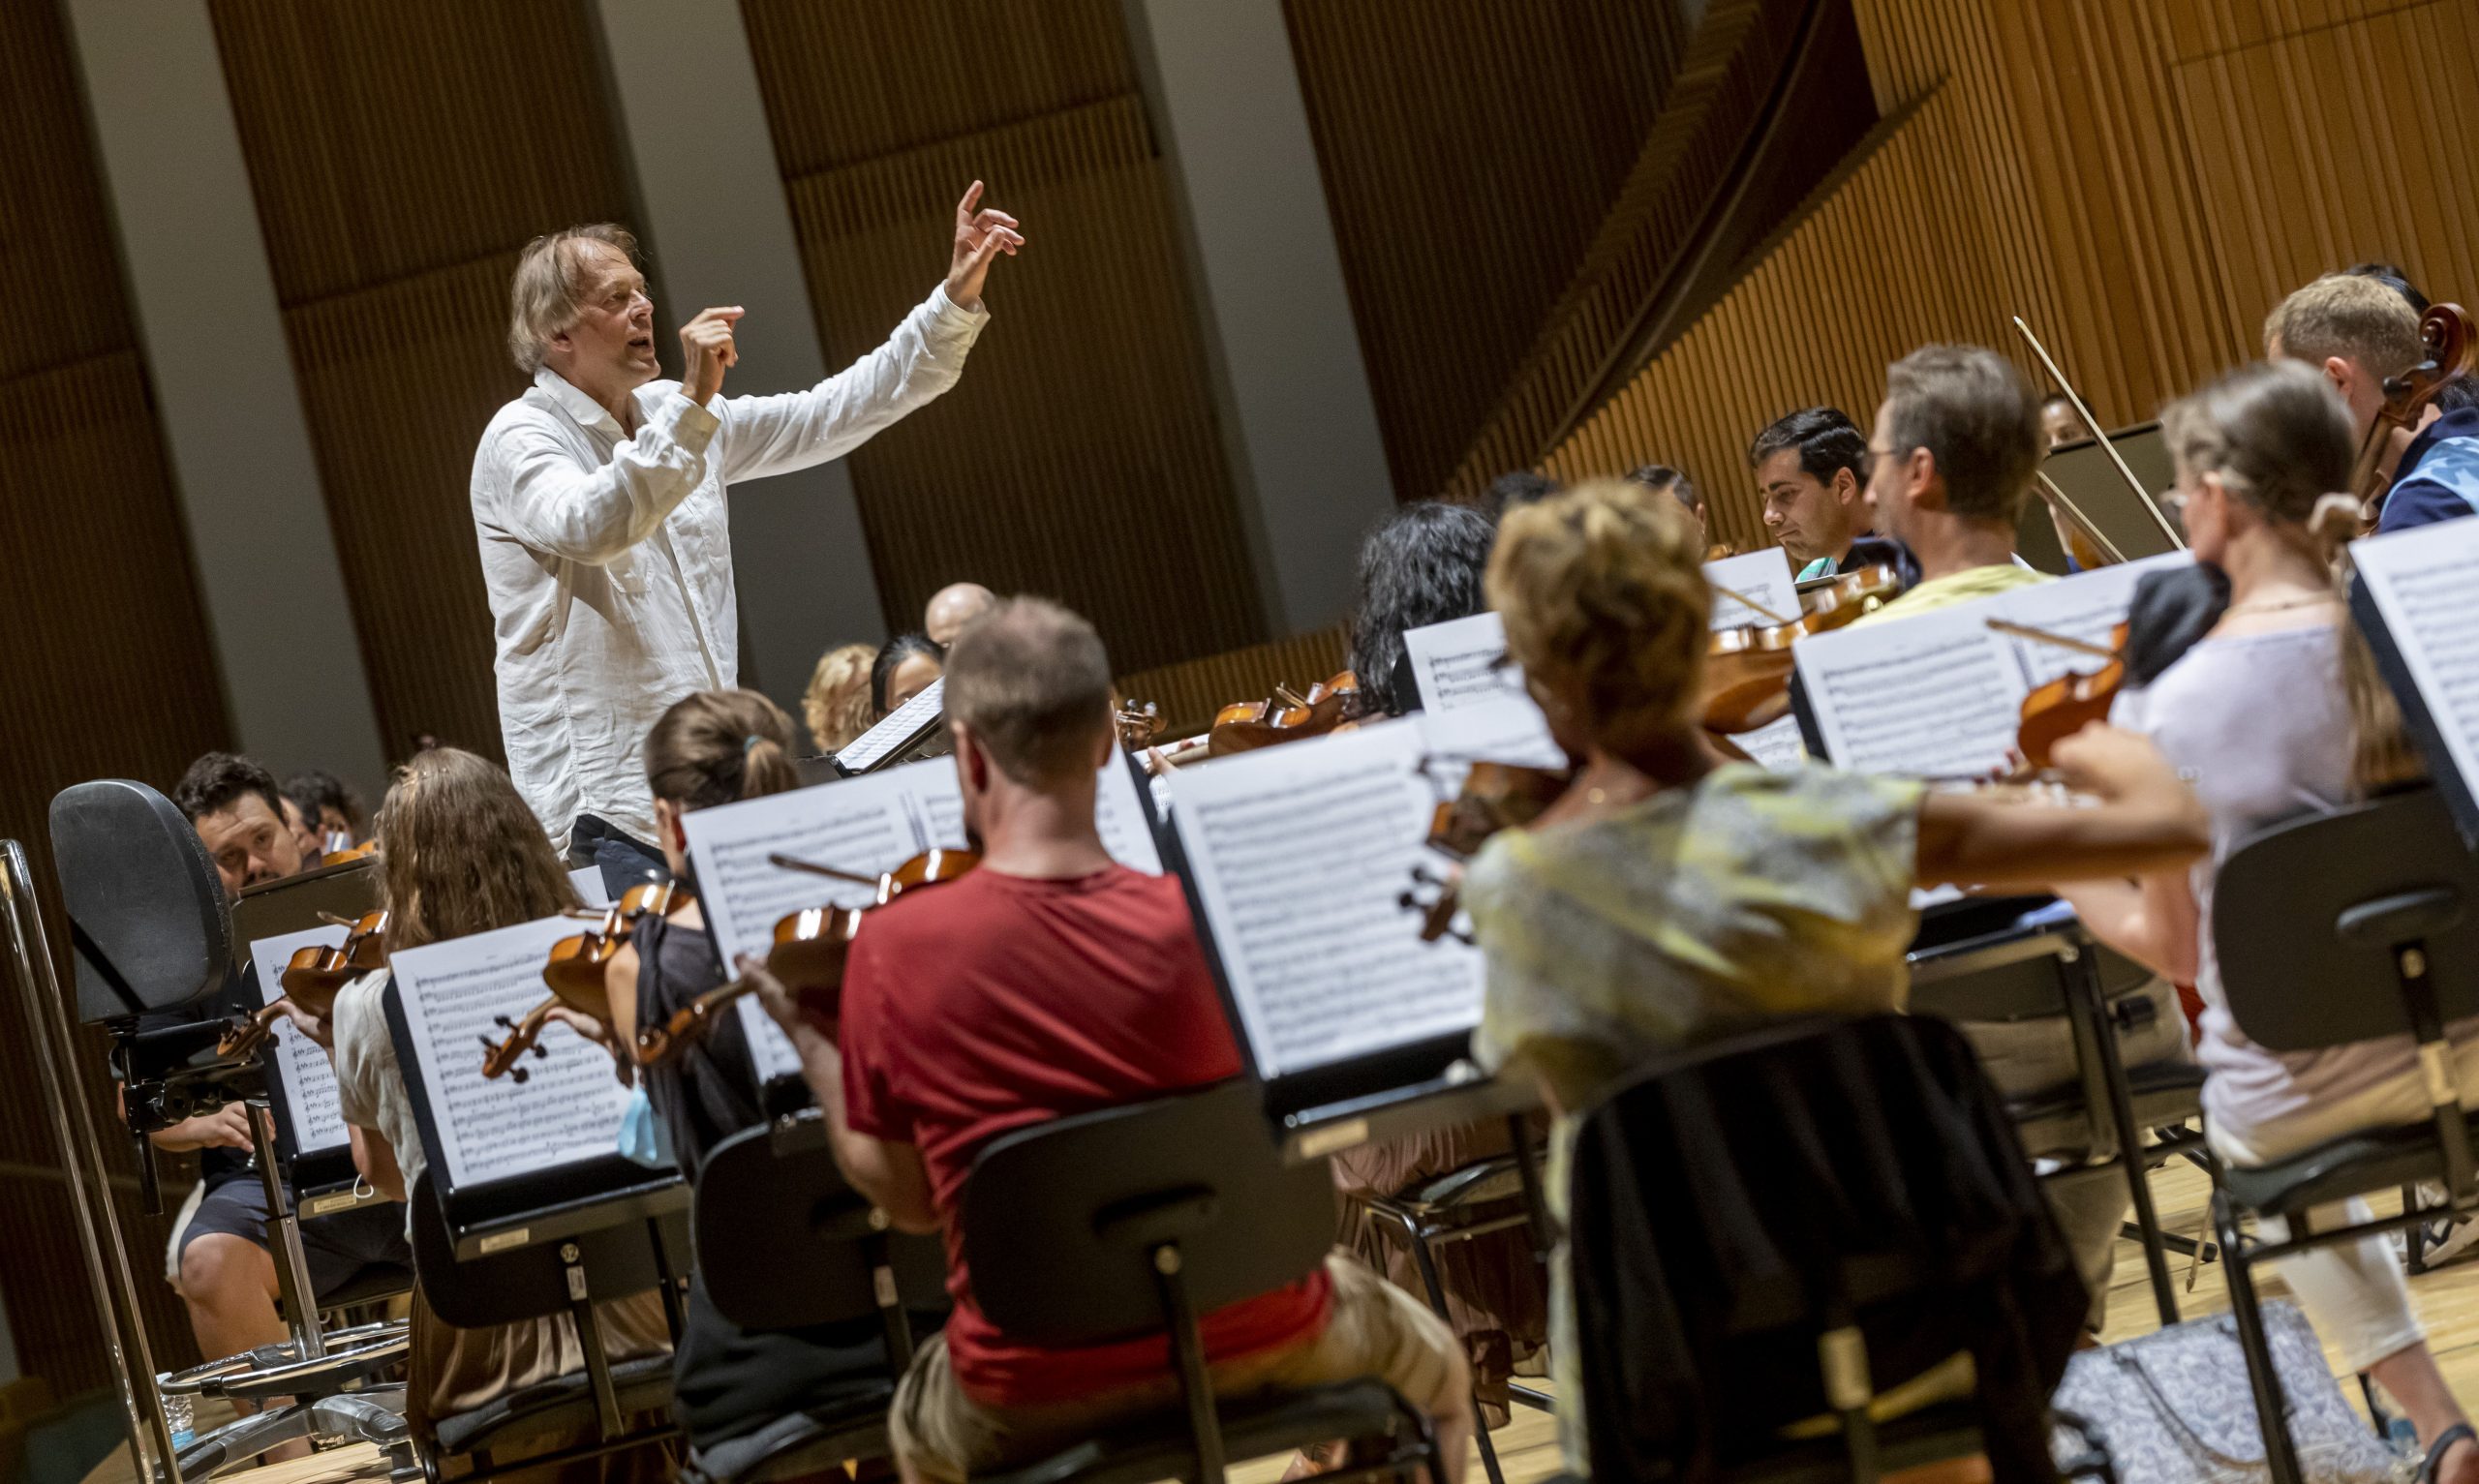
(2141, 183)
(1078, 456)
(108, 672)
(399, 157)
(1469, 151)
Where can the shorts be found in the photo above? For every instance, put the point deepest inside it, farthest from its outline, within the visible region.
(1373, 1329)
(339, 1248)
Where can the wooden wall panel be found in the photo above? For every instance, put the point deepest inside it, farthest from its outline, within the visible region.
(2141, 183)
(1078, 456)
(400, 156)
(1469, 150)
(109, 672)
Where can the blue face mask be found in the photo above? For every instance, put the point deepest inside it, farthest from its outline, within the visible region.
(643, 1139)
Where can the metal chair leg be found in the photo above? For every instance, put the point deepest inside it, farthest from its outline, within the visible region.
(2415, 1235)
(1427, 1264)
(2272, 1413)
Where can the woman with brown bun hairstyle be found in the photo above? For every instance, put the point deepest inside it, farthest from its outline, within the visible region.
(463, 854)
(712, 749)
(1668, 898)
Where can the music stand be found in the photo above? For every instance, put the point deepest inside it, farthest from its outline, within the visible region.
(2083, 472)
(911, 732)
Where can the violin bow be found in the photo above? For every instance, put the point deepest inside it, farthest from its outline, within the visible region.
(1750, 603)
(785, 862)
(2082, 522)
(2043, 636)
(2084, 413)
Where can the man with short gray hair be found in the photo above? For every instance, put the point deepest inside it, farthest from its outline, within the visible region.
(1957, 442)
(598, 499)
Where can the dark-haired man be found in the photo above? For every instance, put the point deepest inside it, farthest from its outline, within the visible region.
(219, 1260)
(1057, 981)
(1812, 471)
(330, 807)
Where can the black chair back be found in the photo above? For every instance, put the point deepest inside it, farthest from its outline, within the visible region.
(524, 1282)
(1061, 1219)
(2310, 918)
(146, 911)
(783, 1241)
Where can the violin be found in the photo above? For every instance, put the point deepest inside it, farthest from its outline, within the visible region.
(314, 976)
(2451, 342)
(809, 949)
(1244, 726)
(500, 1057)
(1494, 796)
(1747, 670)
(246, 1034)
(575, 968)
(2058, 709)
(1136, 725)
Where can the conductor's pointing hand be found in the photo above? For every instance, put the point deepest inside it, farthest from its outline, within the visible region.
(708, 341)
(980, 237)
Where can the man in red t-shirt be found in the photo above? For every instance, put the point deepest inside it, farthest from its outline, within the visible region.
(1053, 980)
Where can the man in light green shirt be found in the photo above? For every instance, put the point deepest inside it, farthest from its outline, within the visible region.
(1956, 444)
(1812, 471)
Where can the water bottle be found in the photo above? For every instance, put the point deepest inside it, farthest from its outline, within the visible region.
(180, 1417)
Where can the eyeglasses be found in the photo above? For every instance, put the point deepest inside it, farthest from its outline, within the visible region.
(1875, 456)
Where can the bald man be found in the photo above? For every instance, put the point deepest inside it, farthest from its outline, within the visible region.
(952, 607)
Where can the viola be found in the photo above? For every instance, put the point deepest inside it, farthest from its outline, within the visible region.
(1747, 670)
(2058, 709)
(1331, 704)
(575, 968)
(809, 949)
(1493, 796)
(314, 976)
(2451, 340)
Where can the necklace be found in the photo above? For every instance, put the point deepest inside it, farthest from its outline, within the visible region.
(2276, 607)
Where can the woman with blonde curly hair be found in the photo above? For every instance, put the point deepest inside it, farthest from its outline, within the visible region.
(1668, 898)
(837, 705)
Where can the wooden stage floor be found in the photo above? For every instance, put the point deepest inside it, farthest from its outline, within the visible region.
(2447, 1299)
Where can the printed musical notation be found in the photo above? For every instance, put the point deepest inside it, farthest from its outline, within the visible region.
(1299, 856)
(301, 1066)
(453, 993)
(2417, 580)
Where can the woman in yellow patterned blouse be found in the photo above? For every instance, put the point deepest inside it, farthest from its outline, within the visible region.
(1668, 898)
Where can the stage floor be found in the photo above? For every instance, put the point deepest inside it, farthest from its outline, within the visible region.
(2447, 1298)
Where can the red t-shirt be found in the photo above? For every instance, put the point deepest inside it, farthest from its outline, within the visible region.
(995, 1002)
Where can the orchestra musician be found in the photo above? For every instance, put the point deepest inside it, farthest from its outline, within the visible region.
(1052, 981)
(1661, 479)
(1423, 566)
(330, 805)
(464, 853)
(1666, 898)
(903, 668)
(1956, 443)
(219, 1258)
(1812, 468)
(2357, 330)
(2254, 452)
(1516, 486)
(836, 707)
(600, 500)
(710, 748)
(952, 607)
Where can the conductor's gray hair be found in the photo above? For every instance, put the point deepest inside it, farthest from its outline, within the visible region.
(549, 286)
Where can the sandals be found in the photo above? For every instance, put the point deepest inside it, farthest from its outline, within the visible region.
(2460, 1432)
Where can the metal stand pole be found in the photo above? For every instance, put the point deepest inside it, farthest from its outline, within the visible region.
(150, 1440)
(284, 1241)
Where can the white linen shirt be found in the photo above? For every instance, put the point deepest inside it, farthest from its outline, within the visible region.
(608, 558)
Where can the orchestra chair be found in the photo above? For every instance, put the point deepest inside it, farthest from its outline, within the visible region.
(1093, 1228)
(2008, 965)
(785, 1242)
(1768, 1233)
(568, 1276)
(2333, 929)
(1485, 1196)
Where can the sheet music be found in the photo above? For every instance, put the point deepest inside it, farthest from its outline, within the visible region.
(302, 1065)
(2420, 580)
(1505, 729)
(1940, 694)
(569, 1108)
(1300, 855)
(1776, 746)
(875, 745)
(1458, 663)
(589, 884)
(2088, 606)
(1763, 576)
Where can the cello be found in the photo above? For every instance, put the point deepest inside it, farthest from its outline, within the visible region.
(2450, 343)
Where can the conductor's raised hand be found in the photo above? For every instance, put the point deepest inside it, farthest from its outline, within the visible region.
(980, 237)
(710, 350)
